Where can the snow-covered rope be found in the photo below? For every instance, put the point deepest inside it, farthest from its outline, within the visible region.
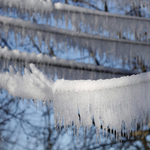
(113, 101)
(54, 61)
(112, 48)
(83, 20)
(34, 5)
(120, 6)
(27, 6)
(27, 86)
(95, 22)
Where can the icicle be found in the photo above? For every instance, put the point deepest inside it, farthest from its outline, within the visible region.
(40, 104)
(78, 133)
(35, 102)
(4, 64)
(73, 20)
(1, 65)
(47, 45)
(56, 17)
(23, 35)
(98, 134)
(66, 20)
(44, 103)
(28, 102)
(135, 128)
(6, 30)
(40, 38)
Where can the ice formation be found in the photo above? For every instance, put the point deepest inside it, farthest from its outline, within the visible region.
(27, 6)
(52, 65)
(118, 4)
(33, 85)
(92, 21)
(113, 49)
(82, 19)
(113, 101)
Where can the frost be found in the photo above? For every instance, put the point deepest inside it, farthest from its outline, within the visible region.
(112, 101)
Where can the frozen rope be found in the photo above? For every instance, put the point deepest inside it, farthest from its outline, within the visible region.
(117, 4)
(24, 6)
(114, 101)
(83, 19)
(114, 49)
(57, 62)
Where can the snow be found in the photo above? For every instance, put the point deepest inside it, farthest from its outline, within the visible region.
(18, 85)
(82, 19)
(114, 49)
(39, 6)
(109, 22)
(57, 63)
(111, 101)
(117, 6)
(30, 4)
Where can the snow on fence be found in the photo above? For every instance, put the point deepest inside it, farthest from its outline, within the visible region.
(114, 49)
(119, 103)
(82, 19)
(52, 65)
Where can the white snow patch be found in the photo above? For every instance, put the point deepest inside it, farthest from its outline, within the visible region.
(33, 85)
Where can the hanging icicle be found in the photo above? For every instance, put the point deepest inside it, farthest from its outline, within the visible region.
(128, 7)
(111, 102)
(83, 19)
(52, 65)
(96, 19)
(27, 6)
(112, 48)
(97, 5)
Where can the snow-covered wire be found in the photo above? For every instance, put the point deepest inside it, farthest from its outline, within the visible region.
(120, 6)
(83, 19)
(111, 47)
(13, 81)
(92, 21)
(57, 62)
(113, 101)
(7, 21)
(24, 6)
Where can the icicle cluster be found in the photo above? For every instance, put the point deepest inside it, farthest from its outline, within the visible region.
(52, 66)
(83, 20)
(114, 49)
(133, 4)
(101, 23)
(118, 103)
(119, 5)
(27, 6)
